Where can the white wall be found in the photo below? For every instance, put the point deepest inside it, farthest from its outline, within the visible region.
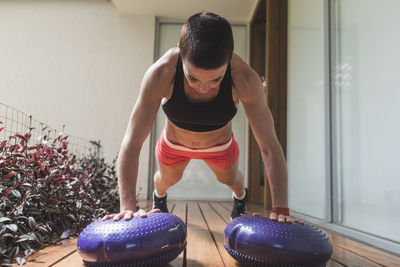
(78, 63)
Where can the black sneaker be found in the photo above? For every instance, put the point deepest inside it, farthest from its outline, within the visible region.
(160, 203)
(239, 207)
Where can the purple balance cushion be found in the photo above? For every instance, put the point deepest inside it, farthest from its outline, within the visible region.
(157, 239)
(256, 240)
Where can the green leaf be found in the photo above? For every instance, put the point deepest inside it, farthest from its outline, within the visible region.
(28, 252)
(3, 230)
(19, 209)
(12, 227)
(32, 222)
(20, 261)
(38, 238)
(4, 219)
(65, 234)
(31, 236)
(13, 252)
(16, 193)
(33, 196)
(72, 217)
(21, 217)
(33, 211)
(22, 238)
(22, 228)
(25, 245)
(43, 229)
(52, 208)
(8, 235)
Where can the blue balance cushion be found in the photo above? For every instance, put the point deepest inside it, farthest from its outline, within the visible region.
(156, 239)
(258, 241)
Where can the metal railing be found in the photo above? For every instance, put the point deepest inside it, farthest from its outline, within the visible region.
(16, 121)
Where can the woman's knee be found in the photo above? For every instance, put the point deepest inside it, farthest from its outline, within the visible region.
(169, 177)
(230, 178)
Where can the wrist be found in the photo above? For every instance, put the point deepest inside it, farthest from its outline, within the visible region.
(130, 206)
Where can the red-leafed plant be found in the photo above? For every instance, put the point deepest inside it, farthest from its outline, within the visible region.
(47, 193)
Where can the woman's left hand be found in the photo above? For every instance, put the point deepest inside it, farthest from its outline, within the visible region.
(273, 216)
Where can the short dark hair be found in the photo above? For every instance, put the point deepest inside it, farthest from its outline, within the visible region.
(206, 40)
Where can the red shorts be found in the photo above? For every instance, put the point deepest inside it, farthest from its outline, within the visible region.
(222, 156)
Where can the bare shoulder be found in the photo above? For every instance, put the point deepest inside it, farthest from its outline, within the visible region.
(160, 75)
(166, 64)
(245, 80)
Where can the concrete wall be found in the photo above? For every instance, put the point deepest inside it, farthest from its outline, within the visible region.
(78, 63)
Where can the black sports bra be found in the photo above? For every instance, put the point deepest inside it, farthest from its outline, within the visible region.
(200, 116)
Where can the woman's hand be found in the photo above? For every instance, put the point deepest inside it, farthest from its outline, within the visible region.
(128, 214)
(282, 218)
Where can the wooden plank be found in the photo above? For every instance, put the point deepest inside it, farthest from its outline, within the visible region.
(228, 205)
(145, 204)
(365, 251)
(201, 249)
(251, 208)
(72, 260)
(216, 225)
(348, 258)
(333, 263)
(222, 210)
(179, 209)
(51, 254)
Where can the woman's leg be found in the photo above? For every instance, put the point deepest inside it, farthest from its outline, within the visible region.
(232, 177)
(166, 176)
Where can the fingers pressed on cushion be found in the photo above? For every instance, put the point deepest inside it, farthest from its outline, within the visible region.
(128, 215)
(106, 217)
(142, 213)
(273, 216)
(155, 211)
(118, 216)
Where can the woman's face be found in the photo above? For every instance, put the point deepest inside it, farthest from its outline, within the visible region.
(203, 81)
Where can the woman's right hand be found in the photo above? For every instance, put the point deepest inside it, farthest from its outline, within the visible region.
(128, 214)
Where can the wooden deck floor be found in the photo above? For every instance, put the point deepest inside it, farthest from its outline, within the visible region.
(206, 222)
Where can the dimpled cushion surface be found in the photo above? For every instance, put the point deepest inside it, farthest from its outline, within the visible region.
(156, 239)
(258, 241)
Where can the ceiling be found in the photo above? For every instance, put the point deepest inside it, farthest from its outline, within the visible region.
(232, 10)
